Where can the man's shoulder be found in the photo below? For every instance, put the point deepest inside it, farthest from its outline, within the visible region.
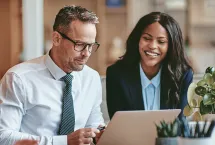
(29, 66)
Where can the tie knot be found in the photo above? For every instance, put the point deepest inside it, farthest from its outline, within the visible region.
(68, 79)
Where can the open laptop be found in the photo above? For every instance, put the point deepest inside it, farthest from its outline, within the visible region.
(135, 127)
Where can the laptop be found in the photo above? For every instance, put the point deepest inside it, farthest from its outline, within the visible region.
(135, 127)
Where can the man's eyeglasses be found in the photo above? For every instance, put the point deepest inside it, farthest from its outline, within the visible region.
(80, 46)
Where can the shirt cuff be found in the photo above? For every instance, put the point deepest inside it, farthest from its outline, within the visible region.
(60, 140)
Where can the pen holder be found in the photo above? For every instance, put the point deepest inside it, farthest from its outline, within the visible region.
(196, 141)
(185, 141)
(192, 124)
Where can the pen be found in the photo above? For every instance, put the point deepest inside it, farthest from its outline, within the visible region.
(100, 128)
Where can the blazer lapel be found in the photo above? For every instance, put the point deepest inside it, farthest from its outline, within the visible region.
(135, 88)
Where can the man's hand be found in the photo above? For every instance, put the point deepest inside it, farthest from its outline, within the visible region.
(98, 135)
(26, 142)
(82, 136)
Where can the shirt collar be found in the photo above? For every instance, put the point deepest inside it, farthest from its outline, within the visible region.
(145, 81)
(56, 72)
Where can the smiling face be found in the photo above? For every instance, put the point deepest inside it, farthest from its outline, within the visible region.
(153, 46)
(64, 54)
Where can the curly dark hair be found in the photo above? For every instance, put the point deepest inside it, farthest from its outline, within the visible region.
(174, 65)
(71, 13)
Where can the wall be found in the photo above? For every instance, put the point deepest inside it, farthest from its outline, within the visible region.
(11, 34)
(202, 34)
(202, 24)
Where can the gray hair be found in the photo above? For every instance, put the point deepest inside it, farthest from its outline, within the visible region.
(71, 13)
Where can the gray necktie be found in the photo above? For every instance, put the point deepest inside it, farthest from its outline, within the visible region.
(68, 116)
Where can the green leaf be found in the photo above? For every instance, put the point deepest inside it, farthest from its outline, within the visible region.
(163, 124)
(205, 109)
(194, 103)
(169, 128)
(210, 70)
(200, 90)
(208, 78)
(191, 93)
(213, 85)
(208, 99)
(199, 100)
(175, 129)
(213, 92)
(201, 83)
(187, 110)
(196, 116)
(158, 127)
(165, 133)
(213, 75)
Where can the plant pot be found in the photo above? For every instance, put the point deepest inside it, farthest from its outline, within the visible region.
(196, 141)
(208, 117)
(167, 141)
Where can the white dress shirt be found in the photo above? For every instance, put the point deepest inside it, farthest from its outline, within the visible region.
(150, 90)
(31, 95)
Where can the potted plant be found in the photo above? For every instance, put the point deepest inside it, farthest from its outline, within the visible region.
(167, 133)
(201, 97)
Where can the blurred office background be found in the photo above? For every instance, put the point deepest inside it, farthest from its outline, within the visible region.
(26, 28)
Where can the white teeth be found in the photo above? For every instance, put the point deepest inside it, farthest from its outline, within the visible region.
(151, 54)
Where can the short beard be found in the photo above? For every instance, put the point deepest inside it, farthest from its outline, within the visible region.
(74, 68)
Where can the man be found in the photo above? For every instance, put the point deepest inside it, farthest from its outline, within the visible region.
(55, 99)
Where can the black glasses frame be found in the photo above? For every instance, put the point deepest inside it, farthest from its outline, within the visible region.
(85, 44)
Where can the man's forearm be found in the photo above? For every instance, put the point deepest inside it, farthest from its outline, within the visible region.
(8, 137)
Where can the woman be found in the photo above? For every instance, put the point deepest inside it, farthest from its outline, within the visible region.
(153, 74)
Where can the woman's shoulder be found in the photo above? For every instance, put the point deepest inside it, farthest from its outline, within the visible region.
(119, 68)
(188, 73)
(114, 68)
(187, 76)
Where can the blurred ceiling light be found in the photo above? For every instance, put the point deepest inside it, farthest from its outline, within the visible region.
(176, 4)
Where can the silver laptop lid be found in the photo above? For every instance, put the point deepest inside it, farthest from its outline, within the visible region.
(135, 127)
